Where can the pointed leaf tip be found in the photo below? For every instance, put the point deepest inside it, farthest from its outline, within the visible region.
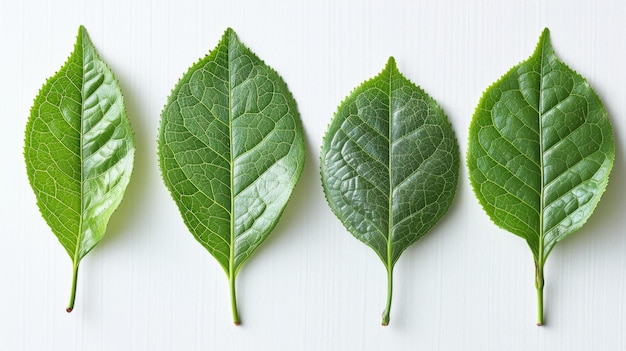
(230, 34)
(82, 32)
(391, 64)
(83, 36)
(544, 47)
(544, 40)
(390, 67)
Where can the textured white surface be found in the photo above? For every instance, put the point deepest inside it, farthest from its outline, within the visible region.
(149, 286)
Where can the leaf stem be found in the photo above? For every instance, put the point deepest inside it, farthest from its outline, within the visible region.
(539, 283)
(389, 294)
(70, 306)
(233, 300)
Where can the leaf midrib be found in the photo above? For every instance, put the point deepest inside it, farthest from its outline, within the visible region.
(231, 257)
(79, 237)
(541, 160)
(390, 176)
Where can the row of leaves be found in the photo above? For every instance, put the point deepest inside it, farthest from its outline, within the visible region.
(231, 149)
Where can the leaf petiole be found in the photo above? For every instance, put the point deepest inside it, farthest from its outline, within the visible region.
(387, 310)
(539, 283)
(233, 300)
(70, 306)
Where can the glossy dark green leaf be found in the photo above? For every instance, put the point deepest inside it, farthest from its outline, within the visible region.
(540, 152)
(79, 151)
(231, 149)
(389, 165)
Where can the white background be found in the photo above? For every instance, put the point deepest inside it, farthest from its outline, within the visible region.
(149, 286)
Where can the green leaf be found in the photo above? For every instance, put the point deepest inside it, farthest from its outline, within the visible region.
(231, 149)
(540, 152)
(389, 165)
(79, 151)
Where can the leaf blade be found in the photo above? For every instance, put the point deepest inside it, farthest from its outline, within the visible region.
(79, 150)
(246, 154)
(389, 165)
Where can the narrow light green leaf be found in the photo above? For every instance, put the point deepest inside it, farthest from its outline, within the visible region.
(389, 165)
(540, 152)
(79, 151)
(231, 149)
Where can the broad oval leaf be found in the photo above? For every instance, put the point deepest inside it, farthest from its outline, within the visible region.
(231, 149)
(540, 152)
(79, 151)
(389, 165)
